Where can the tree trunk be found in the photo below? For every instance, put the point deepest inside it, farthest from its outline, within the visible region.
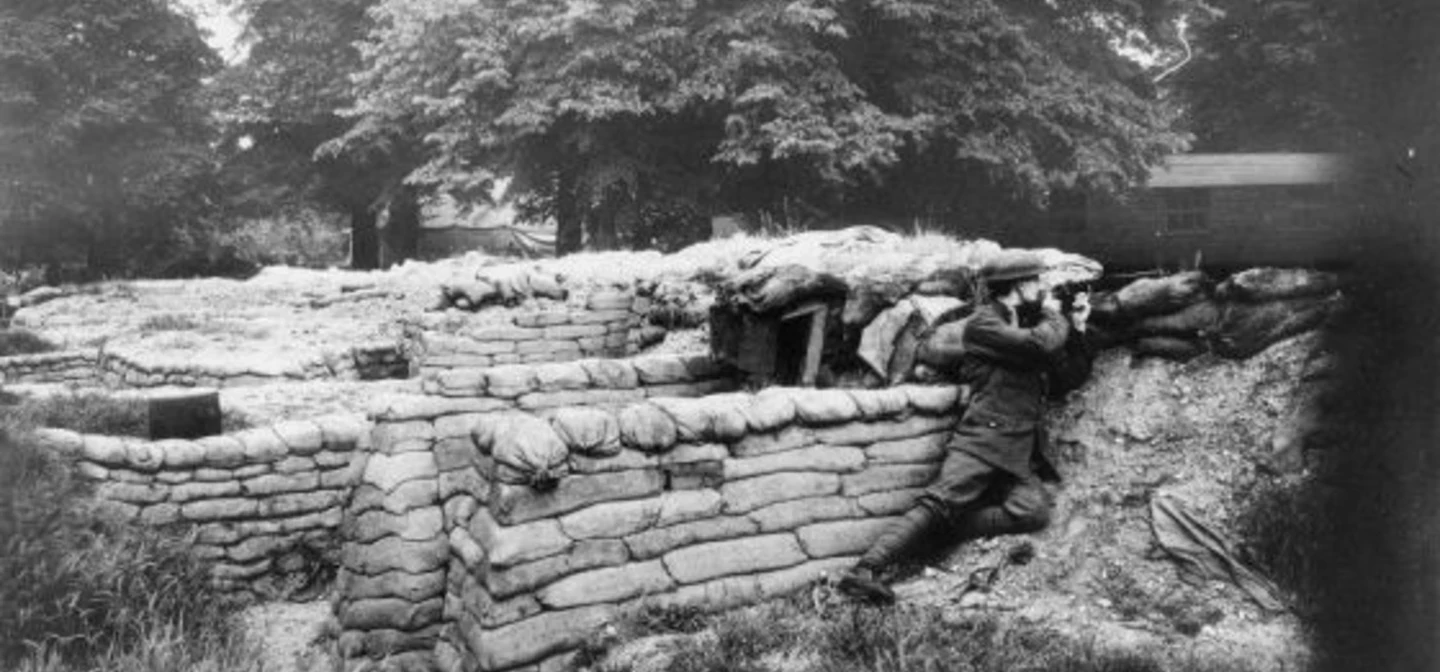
(364, 239)
(603, 223)
(402, 233)
(569, 225)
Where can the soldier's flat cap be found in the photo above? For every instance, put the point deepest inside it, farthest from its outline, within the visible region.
(1013, 265)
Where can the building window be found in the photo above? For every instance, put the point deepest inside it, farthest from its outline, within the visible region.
(1187, 210)
(1068, 211)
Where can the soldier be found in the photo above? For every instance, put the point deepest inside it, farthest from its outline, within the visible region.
(1018, 348)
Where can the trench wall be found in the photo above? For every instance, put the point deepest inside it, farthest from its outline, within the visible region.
(97, 368)
(607, 324)
(449, 560)
(263, 502)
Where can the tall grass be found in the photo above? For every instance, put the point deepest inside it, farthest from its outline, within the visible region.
(790, 634)
(82, 591)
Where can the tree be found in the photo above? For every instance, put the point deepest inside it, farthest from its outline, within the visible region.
(284, 99)
(1273, 76)
(103, 139)
(746, 103)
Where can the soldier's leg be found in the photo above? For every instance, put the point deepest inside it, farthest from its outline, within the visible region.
(1026, 508)
(962, 480)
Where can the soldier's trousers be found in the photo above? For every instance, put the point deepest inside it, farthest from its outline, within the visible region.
(970, 499)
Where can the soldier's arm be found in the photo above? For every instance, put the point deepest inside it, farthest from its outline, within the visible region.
(988, 335)
(1072, 365)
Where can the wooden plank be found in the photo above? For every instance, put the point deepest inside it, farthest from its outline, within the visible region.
(814, 347)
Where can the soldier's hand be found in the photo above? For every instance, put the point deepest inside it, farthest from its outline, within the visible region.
(1050, 304)
(1080, 313)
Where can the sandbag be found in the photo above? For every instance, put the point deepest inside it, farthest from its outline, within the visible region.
(1153, 296)
(587, 430)
(692, 417)
(956, 282)
(1259, 285)
(945, 348)
(470, 295)
(877, 341)
(1245, 329)
(548, 285)
(647, 428)
(770, 409)
(526, 450)
(1103, 336)
(1194, 320)
(1169, 347)
(766, 289)
(867, 299)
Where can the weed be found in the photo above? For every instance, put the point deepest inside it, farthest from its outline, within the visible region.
(79, 590)
(855, 638)
(21, 342)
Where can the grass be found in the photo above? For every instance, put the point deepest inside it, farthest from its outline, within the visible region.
(96, 413)
(81, 591)
(1281, 530)
(793, 634)
(21, 342)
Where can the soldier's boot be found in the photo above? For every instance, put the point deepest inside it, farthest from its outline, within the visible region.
(993, 521)
(900, 538)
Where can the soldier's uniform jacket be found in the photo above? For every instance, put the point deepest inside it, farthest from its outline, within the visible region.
(1011, 371)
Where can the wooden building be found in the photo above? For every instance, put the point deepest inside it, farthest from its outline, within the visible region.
(1225, 210)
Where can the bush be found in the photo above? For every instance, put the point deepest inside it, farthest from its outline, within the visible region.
(21, 342)
(97, 413)
(81, 590)
(303, 237)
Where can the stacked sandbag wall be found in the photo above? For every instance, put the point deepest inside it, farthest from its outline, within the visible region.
(454, 558)
(69, 366)
(587, 382)
(263, 501)
(607, 324)
(365, 361)
(1187, 314)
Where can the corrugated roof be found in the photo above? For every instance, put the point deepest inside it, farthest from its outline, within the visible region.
(1234, 170)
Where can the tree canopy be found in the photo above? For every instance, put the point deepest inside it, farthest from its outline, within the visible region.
(103, 139)
(1274, 76)
(594, 106)
(284, 100)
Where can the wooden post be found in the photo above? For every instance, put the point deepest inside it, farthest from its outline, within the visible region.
(815, 344)
(184, 413)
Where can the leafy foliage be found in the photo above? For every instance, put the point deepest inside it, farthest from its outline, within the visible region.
(282, 101)
(601, 107)
(1273, 76)
(80, 590)
(102, 134)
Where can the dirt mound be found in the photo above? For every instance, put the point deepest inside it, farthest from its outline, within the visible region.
(1198, 432)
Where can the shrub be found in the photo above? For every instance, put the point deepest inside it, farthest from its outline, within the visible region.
(301, 237)
(81, 590)
(22, 342)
